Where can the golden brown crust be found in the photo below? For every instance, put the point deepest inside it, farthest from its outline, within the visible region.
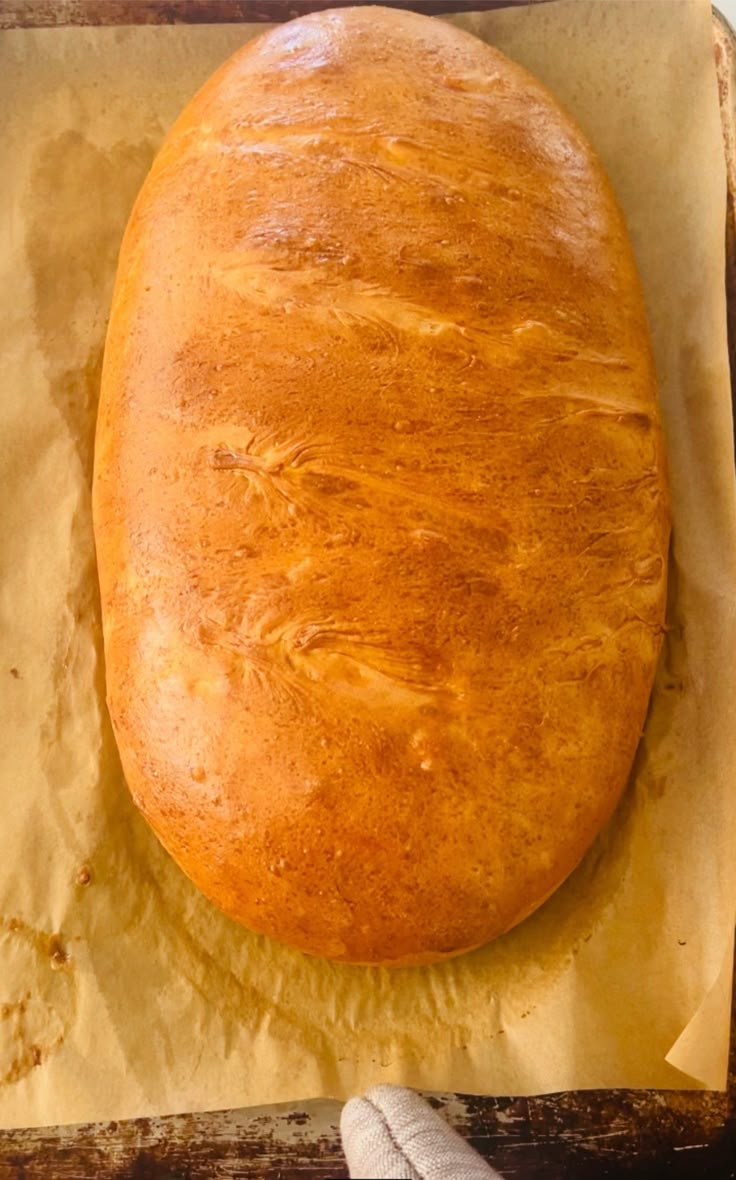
(379, 492)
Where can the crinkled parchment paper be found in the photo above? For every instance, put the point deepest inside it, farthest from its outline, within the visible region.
(122, 990)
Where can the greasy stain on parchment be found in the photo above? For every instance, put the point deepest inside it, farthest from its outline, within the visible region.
(37, 1009)
(79, 198)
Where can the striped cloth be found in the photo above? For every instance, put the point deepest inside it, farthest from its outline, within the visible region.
(393, 1134)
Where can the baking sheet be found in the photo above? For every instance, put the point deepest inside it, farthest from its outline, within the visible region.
(122, 991)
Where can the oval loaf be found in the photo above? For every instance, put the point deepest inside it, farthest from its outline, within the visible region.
(379, 500)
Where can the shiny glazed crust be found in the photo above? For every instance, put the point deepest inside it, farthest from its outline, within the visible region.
(380, 504)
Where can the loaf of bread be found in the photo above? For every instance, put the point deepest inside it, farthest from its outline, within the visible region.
(380, 501)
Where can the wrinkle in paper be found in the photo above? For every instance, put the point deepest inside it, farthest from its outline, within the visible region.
(122, 991)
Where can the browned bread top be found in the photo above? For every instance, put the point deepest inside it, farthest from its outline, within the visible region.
(380, 503)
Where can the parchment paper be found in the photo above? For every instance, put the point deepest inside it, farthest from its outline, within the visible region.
(122, 990)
